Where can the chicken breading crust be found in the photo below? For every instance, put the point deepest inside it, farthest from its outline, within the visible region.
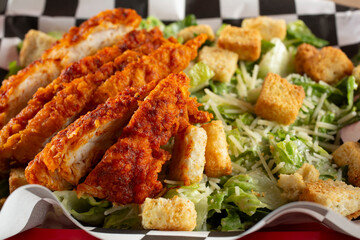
(147, 41)
(81, 93)
(103, 30)
(129, 169)
(75, 150)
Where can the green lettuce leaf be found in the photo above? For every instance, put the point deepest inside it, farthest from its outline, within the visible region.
(124, 217)
(85, 209)
(13, 69)
(150, 22)
(277, 60)
(174, 28)
(199, 75)
(298, 32)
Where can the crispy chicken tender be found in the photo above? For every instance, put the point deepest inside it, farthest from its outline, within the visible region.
(83, 93)
(141, 41)
(60, 111)
(75, 150)
(129, 169)
(103, 30)
(17, 178)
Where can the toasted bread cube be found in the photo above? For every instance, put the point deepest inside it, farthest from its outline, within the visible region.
(269, 28)
(304, 52)
(349, 154)
(279, 100)
(356, 73)
(34, 44)
(188, 154)
(192, 31)
(221, 61)
(294, 184)
(245, 42)
(176, 214)
(217, 159)
(329, 65)
(17, 178)
(337, 195)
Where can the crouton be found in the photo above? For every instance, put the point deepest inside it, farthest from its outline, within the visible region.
(340, 197)
(349, 154)
(217, 159)
(356, 73)
(294, 184)
(245, 42)
(17, 178)
(192, 31)
(221, 61)
(329, 65)
(304, 52)
(279, 100)
(188, 154)
(176, 214)
(34, 44)
(269, 28)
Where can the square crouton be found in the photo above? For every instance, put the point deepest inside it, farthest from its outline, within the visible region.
(192, 31)
(340, 197)
(329, 65)
(279, 100)
(221, 61)
(217, 159)
(176, 214)
(34, 45)
(188, 154)
(304, 52)
(269, 28)
(349, 154)
(294, 184)
(17, 178)
(245, 42)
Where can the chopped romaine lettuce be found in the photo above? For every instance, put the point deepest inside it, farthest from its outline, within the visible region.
(277, 60)
(55, 34)
(85, 209)
(174, 28)
(123, 217)
(298, 32)
(150, 22)
(13, 69)
(199, 75)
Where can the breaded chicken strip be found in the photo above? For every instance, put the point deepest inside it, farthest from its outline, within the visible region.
(75, 150)
(60, 112)
(129, 169)
(147, 41)
(103, 30)
(81, 93)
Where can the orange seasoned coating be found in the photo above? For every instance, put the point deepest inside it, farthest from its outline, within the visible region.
(129, 169)
(60, 111)
(279, 100)
(174, 56)
(128, 18)
(103, 30)
(80, 94)
(141, 41)
(75, 150)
